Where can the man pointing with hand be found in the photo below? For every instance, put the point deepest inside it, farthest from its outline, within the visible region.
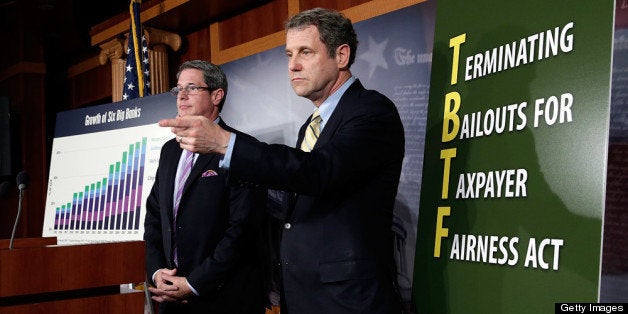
(341, 181)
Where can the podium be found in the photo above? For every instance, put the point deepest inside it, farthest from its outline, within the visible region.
(39, 276)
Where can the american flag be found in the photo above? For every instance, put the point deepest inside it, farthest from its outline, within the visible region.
(137, 72)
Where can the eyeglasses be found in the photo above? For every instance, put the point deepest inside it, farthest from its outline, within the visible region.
(190, 90)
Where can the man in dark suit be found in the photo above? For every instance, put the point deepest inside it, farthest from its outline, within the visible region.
(337, 245)
(200, 233)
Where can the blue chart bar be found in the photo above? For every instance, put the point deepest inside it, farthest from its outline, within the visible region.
(111, 203)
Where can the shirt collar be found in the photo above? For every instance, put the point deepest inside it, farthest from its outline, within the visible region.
(329, 105)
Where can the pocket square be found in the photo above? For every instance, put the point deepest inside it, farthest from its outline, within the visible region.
(209, 173)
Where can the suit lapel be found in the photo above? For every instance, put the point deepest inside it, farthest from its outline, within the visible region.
(290, 199)
(336, 117)
(203, 162)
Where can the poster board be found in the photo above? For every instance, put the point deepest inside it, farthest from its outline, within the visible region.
(102, 168)
(512, 199)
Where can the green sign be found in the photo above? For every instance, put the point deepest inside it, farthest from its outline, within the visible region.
(512, 197)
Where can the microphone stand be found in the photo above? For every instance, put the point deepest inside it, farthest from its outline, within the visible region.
(17, 218)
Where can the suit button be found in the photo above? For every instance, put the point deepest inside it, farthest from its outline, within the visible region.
(287, 225)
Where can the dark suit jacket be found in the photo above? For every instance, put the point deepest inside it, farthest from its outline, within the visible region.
(216, 235)
(337, 244)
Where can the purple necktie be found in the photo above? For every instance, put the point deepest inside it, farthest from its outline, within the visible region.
(188, 161)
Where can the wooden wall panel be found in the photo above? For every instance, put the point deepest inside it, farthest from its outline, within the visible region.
(226, 49)
(27, 103)
(25, 45)
(195, 46)
(254, 24)
(91, 87)
(338, 5)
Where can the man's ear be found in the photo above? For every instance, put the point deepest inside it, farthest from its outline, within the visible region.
(217, 96)
(342, 56)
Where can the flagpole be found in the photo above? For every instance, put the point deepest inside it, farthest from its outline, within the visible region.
(134, 30)
(137, 68)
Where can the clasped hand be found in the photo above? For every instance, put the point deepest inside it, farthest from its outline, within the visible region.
(198, 134)
(170, 288)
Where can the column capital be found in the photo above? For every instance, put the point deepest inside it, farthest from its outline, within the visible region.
(111, 50)
(156, 37)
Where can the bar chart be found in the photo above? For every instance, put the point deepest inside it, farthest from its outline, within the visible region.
(111, 203)
(99, 183)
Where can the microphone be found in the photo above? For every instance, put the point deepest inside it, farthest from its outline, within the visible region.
(22, 182)
(4, 188)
